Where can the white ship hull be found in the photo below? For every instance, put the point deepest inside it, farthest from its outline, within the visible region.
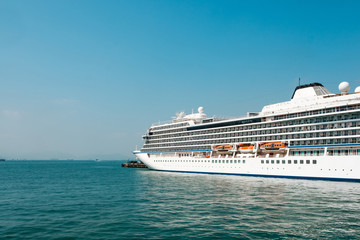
(324, 167)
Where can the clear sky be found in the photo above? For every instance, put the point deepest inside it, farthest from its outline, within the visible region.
(85, 79)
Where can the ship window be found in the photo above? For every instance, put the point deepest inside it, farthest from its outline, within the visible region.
(227, 161)
(295, 161)
(230, 161)
(234, 161)
(277, 161)
(223, 161)
(272, 161)
(289, 161)
(307, 161)
(262, 161)
(267, 161)
(243, 161)
(301, 161)
(314, 161)
(283, 162)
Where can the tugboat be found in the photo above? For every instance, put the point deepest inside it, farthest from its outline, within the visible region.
(134, 164)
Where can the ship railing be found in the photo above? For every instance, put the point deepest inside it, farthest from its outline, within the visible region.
(161, 123)
(214, 119)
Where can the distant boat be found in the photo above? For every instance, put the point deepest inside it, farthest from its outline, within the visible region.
(97, 160)
(2, 160)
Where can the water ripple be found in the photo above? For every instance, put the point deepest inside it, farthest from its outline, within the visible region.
(101, 200)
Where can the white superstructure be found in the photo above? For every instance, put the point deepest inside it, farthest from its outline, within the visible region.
(314, 135)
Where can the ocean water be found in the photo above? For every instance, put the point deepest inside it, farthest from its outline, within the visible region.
(102, 200)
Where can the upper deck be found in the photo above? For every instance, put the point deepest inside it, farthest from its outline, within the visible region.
(306, 98)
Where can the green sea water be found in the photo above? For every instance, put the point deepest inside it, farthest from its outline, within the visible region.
(102, 200)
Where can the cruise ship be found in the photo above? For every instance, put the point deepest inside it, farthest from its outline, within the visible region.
(315, 135)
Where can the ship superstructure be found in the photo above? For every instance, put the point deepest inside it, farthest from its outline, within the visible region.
(314, 135)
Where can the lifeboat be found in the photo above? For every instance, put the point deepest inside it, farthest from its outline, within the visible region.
(223, 148)
(245, 147)
(273, 146)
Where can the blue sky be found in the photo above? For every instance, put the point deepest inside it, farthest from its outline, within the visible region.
(85, 79)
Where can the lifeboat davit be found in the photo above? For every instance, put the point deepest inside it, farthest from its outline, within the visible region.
(223, 148)
(273, 146)
(245, 147)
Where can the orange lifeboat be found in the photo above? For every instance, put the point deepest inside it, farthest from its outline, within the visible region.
(273, 146)
(223, 148)
(245, 147)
